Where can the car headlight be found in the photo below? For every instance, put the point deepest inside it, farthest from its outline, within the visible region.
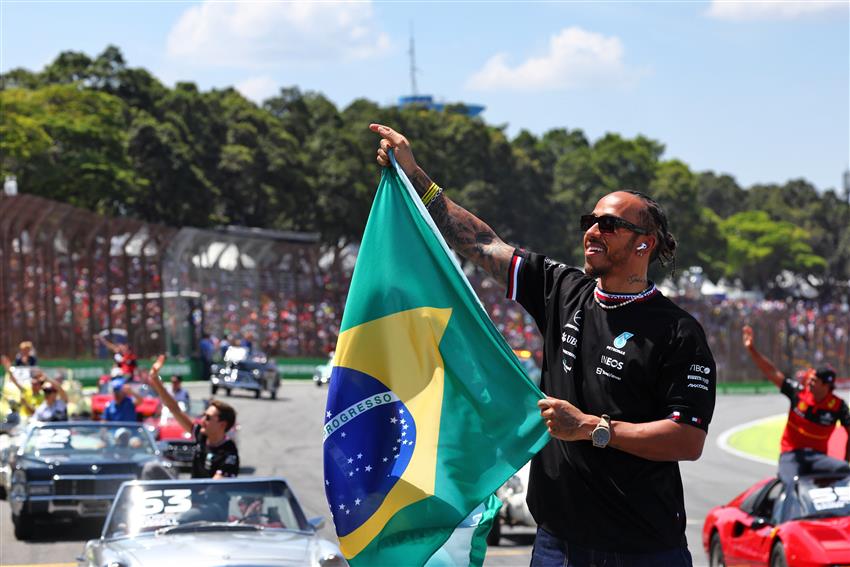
(19, 485)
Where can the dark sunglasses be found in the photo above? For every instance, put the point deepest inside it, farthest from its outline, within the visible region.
(208, 416)
(608, 223)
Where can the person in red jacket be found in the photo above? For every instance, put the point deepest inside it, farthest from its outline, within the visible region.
(124, 356)
(815, 409)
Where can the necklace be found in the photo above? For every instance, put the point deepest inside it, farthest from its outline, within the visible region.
(599, 295)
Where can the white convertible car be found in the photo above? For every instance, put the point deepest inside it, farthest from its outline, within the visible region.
(230, 522)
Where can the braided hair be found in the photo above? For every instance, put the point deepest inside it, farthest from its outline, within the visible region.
(654, 219)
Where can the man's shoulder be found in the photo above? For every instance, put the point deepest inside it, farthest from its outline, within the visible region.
(565, 275)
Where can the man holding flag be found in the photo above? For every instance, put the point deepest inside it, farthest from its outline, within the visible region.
(629, 376)
(428, 409)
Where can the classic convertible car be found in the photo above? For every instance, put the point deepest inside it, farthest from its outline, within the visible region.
(199, 522)
(247, 370)
(765, 525)
(73, 469)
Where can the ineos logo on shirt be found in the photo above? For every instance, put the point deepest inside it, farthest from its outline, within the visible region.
(612, 362)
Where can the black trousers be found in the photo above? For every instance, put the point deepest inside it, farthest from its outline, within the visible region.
(807, 461)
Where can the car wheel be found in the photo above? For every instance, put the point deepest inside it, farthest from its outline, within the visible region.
(715, 552)
(495, 533)
(227, 391)
(23, 526)
(777, 556)
(213, 390)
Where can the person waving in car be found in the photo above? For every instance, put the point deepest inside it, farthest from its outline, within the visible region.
(216, 456)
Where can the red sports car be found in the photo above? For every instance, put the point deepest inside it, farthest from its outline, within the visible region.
(176, 445)
(764, 525)
(148, 407)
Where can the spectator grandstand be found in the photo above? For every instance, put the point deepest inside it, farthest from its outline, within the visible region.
(66, 274)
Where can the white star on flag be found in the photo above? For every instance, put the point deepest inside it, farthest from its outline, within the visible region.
(328, 414)
(368, 468)
(357, 502)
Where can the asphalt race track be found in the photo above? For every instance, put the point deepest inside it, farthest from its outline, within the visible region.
(284, 437)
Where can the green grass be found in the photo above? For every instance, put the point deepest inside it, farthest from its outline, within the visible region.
(761, 440)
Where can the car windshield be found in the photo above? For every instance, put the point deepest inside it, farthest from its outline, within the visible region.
(203, 504)
(117, 441)
(249, 365)
(824, 497)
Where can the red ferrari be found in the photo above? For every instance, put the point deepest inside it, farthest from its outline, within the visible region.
(806, 527)
(176, 445)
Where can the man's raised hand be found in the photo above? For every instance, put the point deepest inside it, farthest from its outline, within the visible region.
(392, 140)
(157, 365)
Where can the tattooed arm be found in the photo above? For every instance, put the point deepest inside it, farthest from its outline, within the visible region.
(468, 235)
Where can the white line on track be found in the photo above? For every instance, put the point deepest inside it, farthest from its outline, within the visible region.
(723, 440)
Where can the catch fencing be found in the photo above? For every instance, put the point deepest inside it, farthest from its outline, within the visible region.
(67, 274)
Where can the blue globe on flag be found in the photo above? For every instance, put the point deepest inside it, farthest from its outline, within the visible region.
(369, 437)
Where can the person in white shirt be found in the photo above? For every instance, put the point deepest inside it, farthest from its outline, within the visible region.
(55, 404)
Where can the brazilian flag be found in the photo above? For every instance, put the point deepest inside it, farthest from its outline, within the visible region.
(428, 409)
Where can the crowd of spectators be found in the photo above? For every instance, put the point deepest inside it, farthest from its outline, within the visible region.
(298, 313)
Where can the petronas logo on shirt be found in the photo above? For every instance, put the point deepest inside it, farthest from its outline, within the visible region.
(620, 341)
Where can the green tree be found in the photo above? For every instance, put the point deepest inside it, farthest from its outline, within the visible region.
(760, 248)
(68, 144)
(720, 193)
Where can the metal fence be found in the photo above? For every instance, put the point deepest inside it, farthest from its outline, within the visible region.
(257, 285)
(59, 264)
(67, 274)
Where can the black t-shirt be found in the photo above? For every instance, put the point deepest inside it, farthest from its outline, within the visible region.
(640, 363)
(209, 460)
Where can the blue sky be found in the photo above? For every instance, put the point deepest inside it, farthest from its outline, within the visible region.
(759, 90)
